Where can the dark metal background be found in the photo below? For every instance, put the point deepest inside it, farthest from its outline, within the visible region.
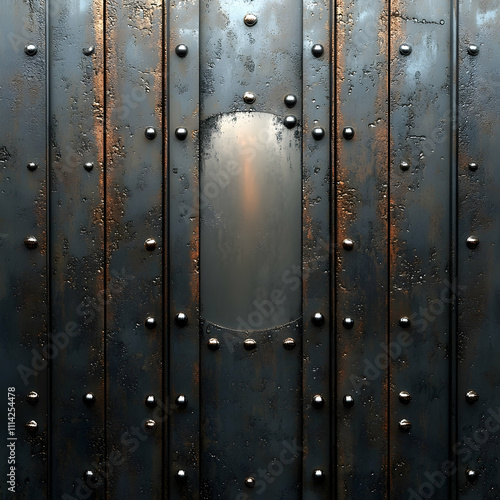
(154, 223)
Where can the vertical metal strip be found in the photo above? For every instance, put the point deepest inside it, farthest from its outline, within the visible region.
(316, 310)
(361, 248)
(420, 286)
(183, 260)
(478, 251)
(76, 247)
(135, 243)
(25, 353)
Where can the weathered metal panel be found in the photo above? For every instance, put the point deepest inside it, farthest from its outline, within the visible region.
(361, 182)
(419, 192)
(478, 402)
(134, 244)
(76, 85)
(23, 250)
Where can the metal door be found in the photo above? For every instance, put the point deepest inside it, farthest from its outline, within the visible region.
(250, 249)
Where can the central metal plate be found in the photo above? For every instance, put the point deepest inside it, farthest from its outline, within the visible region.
(250, 228)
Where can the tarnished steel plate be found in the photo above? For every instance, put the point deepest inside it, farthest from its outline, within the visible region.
(250, 224)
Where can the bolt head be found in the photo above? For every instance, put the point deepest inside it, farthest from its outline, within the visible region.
(88, 166)
(89, 398)
(318, 475)
(181, 50)
(88, 51)
(181, 401)
(404, 166)
(150, 323)
(317, 50)
(150, 424)
(472, 242)
(348, 401)
(181, 133)
(290, 121)
(249, 97)
(289, 344)
(213, 344)
(181, 320)
(150, 401)
(32, 166)
(471, 475)
(150, 133)
(348, 244)
(31, 242)
(32, 397)
(318, 133)
(150, 244)
(250, 482)
(473, 49)
(348, 133)
(404, 425)
(473, 167)
(318, 401)
(290, 100)
(471, 397)
(250, 19)
(318, 319)
(32, 426)
(405, 49)
(30, 49)
(249, 344)
(348, 323)
(405, 397)
(404, 322)
(181, 475)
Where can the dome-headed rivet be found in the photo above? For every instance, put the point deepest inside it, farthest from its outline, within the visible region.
(405, 49)
(348, 244)
(150, 244)
(88, 474)
(181, 401)
(471, 397)
(213, 344)
(290, 121)
(32, 166)
(348, 323)
(318, 401)
(404, 166)
(404, 425)
(289, 344)
(181, 319)
(88, 166)
(249, 97)
(404, 322)
(472, 242)
(150, 133)
(473, 49)
(405, 397)
(32, 426)
(181, 50)
(32, 397)
(30, 49)
(318, 475)
(250, 19)
(317, 319)
(31, 242)
(318, 133)
(317, 50)
(150, 424)
(471, 475)
(348, 133)
(181, 133)
(88, 51)
(89, 398)
(290, 100)
(150, 322)
(181, 475)
(150, 401)
(473, 167)
(250, 344)
(348, 401)
(250, 482)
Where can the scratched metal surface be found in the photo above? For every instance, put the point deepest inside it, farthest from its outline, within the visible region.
(131, 270)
